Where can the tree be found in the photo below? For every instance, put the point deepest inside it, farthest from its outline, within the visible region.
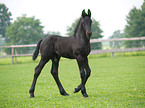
(25, 30)
(96, 32)
(4, 19)
(51, 33)
(116, 35)
(135, 26)
(70, 29)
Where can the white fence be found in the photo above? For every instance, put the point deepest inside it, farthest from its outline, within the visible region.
(113, 49)
(13, 48)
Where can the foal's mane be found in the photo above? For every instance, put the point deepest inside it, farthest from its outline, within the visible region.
(76, 27)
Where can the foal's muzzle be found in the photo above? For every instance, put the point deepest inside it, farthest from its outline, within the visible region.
(89, 33)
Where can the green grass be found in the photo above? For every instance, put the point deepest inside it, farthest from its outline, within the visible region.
(114, 82)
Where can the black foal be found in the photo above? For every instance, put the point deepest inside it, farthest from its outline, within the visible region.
(73, 47)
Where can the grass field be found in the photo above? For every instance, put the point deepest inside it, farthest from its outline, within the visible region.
(114, 82)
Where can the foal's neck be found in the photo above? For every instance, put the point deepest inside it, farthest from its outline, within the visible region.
(81, 35)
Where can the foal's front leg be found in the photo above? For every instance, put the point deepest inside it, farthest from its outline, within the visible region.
(54, 72)
(83, 66)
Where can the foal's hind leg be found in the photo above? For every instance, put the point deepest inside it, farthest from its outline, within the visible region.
(54, 72)
(38, 69)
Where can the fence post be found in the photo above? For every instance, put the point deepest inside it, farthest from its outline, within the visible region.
(15, 56)
(12, 55)
(113, 46)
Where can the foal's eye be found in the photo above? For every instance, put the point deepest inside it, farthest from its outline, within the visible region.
(83, 23)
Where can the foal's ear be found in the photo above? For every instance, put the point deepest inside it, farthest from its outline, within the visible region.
(89, 13)
(83, 13)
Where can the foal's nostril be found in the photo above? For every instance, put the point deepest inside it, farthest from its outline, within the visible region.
(89, 33)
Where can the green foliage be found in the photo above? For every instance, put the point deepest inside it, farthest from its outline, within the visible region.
(70, 29)
(25, 30)
(52, 33)
(2, 41)
(135, 25)
(4, 19)
(117, 82)
(96, 34)
(117, 34)
(95, 46)
(96, 30)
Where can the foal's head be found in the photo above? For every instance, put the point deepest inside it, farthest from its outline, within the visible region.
(86, 23)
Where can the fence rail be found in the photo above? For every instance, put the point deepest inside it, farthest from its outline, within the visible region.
(116, 50)
(18, 46)
(120, 39)
(14, 53)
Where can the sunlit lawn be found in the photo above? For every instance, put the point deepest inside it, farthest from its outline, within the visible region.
(114, 82)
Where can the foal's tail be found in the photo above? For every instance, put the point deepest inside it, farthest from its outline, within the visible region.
(36, 52)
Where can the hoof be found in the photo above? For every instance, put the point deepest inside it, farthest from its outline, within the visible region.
(32, 95)
(75, 90)
(85, 95)
(65, 94)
